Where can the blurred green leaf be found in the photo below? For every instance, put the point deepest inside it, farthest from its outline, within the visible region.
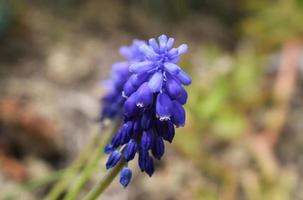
(5, 15)
(229, 125)
(274, 22)
(212, 102)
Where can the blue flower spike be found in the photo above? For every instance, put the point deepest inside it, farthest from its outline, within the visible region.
(153, 99)
(113, 101)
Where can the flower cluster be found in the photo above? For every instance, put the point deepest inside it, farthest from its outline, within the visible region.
(113, 101)
(153, 107)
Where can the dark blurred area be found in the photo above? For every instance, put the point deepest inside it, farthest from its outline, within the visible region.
(243, 138)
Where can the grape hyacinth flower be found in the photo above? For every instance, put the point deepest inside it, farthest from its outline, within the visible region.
(153, 107)
(113, 101)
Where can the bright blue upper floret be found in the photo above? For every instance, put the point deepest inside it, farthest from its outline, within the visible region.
(153, 107)
(113, 101)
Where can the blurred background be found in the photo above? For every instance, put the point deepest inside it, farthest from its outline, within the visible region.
(243, 138)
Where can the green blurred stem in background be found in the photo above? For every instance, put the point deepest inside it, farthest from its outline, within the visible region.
(87, 160)
(64, 181)
(84, 176)
(90, 167)
(36, 183)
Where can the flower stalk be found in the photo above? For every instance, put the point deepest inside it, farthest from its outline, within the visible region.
(90, 166)
(71, 172)
(105, 181)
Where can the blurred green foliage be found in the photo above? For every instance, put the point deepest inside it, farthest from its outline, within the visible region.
(271, 23)
(6, 16)
(220, 105)
(227, 10)
(232, 92)
(227, 93)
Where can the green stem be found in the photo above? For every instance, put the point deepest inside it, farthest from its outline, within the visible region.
(36, 183)
(105, 182)
(90, 167)
(85, 175)
(72, 170)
